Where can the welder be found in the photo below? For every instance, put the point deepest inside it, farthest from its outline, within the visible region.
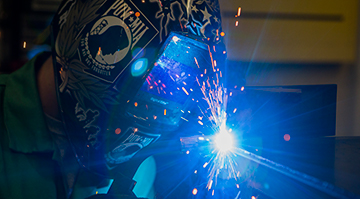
(80, 119)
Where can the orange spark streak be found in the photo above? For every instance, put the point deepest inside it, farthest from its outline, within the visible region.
(212, 60)
(197, 63)
(239, 11)
(185, 91)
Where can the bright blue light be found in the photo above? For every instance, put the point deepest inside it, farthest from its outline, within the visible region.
(139, 67)
(224, 141)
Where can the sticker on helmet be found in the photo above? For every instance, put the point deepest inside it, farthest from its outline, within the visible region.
(128, 145)
(106, 47)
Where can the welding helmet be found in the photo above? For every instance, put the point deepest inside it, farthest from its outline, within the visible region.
(125, 71)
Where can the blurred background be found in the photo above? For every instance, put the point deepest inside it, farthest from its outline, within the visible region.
(21, 22)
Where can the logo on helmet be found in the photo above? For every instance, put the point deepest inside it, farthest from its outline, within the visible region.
(107, 46)
(108, 42)
(129, 145)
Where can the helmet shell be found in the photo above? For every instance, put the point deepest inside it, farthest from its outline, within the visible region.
(95, 43)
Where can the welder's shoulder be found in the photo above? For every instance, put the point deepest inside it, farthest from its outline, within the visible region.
(3, 78)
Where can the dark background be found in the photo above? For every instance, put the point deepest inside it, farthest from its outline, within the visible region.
(22, 21)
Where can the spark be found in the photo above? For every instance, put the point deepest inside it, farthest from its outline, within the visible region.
(195, 191)
(185, 91)
(197, 63)
(212, 60)
(184, 119)
(239, 11)
(210, 184)
(286, 137)
(205, 165)
(222, 156)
